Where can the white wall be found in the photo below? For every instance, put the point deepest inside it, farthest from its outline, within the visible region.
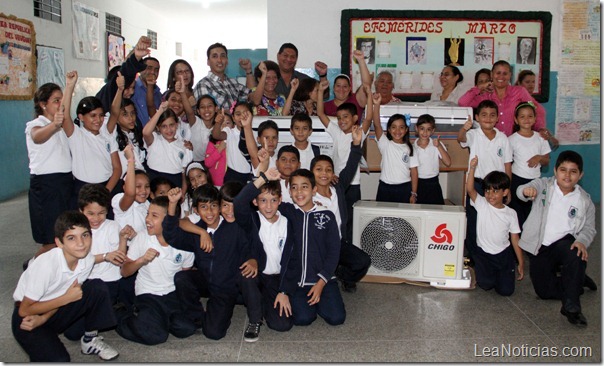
(317, 22)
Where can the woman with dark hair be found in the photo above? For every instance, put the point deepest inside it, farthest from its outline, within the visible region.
(304, 100)
(342, 89)
(450, 78)
(527, 79)
(266, 100)
(182, 69)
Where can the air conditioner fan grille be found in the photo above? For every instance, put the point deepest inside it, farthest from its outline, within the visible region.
(391, 242)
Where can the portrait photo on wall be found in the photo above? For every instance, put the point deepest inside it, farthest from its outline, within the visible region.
(484, 50)
(416, 51)
(526, 50)
(367, 45)
(454, 51)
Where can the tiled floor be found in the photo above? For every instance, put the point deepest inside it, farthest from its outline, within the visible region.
(385, 323)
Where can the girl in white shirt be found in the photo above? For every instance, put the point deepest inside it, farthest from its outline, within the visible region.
(398, 180)
(429, 154)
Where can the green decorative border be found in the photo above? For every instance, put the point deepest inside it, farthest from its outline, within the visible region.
(544, 17)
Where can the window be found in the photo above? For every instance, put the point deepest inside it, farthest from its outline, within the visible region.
(48, 9)
(113, 24)
(153, 36)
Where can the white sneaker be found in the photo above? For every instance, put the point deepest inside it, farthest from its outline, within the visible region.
(98, 347)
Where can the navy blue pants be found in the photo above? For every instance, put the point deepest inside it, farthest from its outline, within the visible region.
(43, 344)
(233, 175)
(354, 263)
(216, 318)
(352, 195)
(259, 294)
(49, 196)
(496, 271)
(330, 307)
(154, 318)
(523, 209)
(547, 284)
(429, 191)
(470, 242)
(400, 193)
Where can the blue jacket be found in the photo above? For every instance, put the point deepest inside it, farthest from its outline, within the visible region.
(129, 69)
(220, 266)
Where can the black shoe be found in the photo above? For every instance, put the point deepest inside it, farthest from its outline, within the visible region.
(589, 283)
(252, 332)
(576, 318)
(349, 287)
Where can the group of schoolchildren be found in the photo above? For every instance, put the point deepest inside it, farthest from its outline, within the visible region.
(272, 229)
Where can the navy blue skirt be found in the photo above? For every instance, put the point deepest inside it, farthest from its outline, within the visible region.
(49, 196)
(429, 191)
(400, 193)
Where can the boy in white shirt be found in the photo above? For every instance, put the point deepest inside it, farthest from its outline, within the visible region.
(496, 224)
(51, 296)
(301, 129)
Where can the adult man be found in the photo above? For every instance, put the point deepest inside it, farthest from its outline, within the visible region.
(287, 57)
(384, 85)
(524, 51)
(366, 45)
(147, 95)
(225, 90)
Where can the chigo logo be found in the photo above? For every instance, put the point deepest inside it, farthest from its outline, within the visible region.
(442, 239)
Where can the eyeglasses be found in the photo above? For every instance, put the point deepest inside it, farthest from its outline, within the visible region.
(182, 72)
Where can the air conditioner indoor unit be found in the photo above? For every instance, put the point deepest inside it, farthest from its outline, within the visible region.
(412, 242)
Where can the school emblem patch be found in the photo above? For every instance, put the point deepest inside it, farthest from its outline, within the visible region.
(178, 258)
(572, 212)
(108, 148)
(500, 152)
(281, 243)
(405, 158)
(181, 155)
(321, 220)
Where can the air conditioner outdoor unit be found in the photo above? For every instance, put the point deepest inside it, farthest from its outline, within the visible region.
(412, 242)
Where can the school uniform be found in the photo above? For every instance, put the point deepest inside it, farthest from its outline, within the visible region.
(494, 260)
(238, 168)
(395, 178)
(272, 163)
(429, 190)
(285, 195)
(50, 180)
(523, 149)
(134, 216)
(492, 155)
(200, 137)
(158, 309)
(556, 221)
(47, 278)
(217, 274)
(168, 159)
(139, 153)
(306, 155)
(272, 245)
(341, 150)
(184, 129)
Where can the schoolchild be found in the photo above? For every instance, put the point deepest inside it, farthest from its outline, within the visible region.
(557, 234)
(228, 192)
(219, 266)
(160, 186)
(495, 154)
(398, 179)
(201, 128)
(179, 105)
(51, 181)
(354, 262)
(341, 134)
(238, 168)
(301, 129)
(130, 207)
(196, 176)
(53, 293)
(496, 226)
(530, 152)
(268, 138)
(157, 309)
(167, 153)
(216, 160)
(429, 153)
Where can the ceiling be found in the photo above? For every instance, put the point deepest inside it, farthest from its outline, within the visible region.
(190, 7)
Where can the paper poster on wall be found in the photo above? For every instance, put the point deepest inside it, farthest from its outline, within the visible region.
(51, 66)
(17, 59)
(115, 50)
(86, 37)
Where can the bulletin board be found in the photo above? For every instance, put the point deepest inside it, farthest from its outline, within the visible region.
(415, 45)
(17, 58)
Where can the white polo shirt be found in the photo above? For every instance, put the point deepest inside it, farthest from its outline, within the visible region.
(396, 161)
(562, 210)
(341, 149)
(168, 157)
(493, 225)
(106, 239)
(184, 130)
(157, 277)
(235, 159)
(428, 159)
(331, 204)
(492, 154)
(285, 195)
(48, 277)
(200, 137)
(306, 156)
(134, 216)
(272, 163)
(91, 154)
(50, 157)
(273, 237)
(523, 149)
(139, 155)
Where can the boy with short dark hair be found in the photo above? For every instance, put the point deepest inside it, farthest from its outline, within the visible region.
(557, 233)
(301, 129)
(268, 138)
(52, 294)
(496, 224)
(160, 186)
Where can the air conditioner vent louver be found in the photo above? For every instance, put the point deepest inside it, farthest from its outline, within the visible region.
(391, 242)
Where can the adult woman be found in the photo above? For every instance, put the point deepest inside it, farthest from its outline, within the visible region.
(450, 77)
(505, 96)
(181, 68)
(527, 79)
(342, 90)
(267, 102)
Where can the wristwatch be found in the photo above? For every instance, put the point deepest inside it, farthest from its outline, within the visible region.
(263, 176)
